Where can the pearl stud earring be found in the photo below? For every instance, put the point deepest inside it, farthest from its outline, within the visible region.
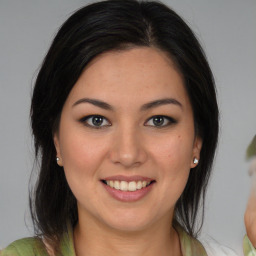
(195, 161)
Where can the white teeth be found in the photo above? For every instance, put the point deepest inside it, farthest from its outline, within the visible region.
(139, 185)
(132, 186)
(116, 184)
(123, 185)
(127, 186)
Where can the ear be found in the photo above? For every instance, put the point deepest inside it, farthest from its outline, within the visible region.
(198, 143)
(57, 147)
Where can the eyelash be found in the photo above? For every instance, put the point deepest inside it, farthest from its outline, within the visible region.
(167, 119)
(85, 119)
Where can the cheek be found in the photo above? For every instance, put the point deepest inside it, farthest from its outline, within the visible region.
(174, 153)
(81, 154)
(82, 157)
(173, 157)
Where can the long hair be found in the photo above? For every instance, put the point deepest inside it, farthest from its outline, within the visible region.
(89, 32)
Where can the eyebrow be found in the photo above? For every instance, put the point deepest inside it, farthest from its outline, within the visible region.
(147, 106)
(161, 102)
(97, 103)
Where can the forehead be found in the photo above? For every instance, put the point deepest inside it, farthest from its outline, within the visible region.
(140, 74)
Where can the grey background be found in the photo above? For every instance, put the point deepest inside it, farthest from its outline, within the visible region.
(227, 31)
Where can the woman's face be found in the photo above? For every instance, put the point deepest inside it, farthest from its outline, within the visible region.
(126, 139)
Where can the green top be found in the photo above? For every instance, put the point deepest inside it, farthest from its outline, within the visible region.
(249, 250)
(35, 246)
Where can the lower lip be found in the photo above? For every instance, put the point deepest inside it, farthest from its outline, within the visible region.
(128, 196)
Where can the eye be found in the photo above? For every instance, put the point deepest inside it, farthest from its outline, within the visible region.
(160, 121)
(95, 121)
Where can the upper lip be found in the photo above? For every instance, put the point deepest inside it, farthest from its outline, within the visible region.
(128, 178)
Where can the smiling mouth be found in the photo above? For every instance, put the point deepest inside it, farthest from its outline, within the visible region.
(127, 186)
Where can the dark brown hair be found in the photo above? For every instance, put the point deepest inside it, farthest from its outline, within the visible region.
(90, 31)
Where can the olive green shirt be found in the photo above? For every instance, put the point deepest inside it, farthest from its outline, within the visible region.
(35, 246)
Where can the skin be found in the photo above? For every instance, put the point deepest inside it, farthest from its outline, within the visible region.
(128, 143)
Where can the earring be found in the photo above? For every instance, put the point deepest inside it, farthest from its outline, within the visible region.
(58, 161)
(195, 161)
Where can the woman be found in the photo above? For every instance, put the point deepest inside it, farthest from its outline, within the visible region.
(122, 172)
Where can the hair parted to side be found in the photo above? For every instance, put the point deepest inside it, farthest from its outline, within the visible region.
(90, 31)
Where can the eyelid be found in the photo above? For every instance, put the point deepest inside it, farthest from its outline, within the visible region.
(170, 121)
(84, 120)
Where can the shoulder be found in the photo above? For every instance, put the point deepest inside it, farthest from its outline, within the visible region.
(25, 247)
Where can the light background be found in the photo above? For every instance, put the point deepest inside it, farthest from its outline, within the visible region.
(227, 31)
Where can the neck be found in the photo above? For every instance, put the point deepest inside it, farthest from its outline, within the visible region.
(92, 238)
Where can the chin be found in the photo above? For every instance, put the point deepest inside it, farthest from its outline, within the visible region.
(128, 226)
(129, 222)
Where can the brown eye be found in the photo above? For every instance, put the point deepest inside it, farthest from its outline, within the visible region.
(160, 121)
(95, 121)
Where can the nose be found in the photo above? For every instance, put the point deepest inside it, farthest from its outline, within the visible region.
(127, 148)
